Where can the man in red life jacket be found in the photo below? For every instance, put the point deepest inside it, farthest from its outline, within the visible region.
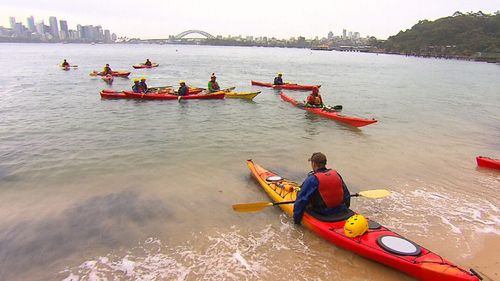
(323, 191)
(314, 99)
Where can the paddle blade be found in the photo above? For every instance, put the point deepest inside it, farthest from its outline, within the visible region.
(251, 207)
(375, 193)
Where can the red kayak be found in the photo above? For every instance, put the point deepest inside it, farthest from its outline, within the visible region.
(353, 121)
(487, 162)
(213, 96)
(285, 86)
(379, 243)
(112, 94)
(138, 66)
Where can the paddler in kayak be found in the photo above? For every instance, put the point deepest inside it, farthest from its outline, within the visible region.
(136, 88)
(107, 70)
(143, 86)
(213, 86)
(148, 62)
(323, 191)
(65, 64)
(279, 79)
(183, 89)
(314, 99)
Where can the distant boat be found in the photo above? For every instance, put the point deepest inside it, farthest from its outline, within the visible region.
(321, 48)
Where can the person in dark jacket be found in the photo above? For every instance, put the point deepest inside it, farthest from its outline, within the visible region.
(279, 79)
(183, 89)
(323, 191)
(143, 85)
(136, 88)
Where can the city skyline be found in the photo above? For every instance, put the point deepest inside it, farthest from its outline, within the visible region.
(56, 31)
(259, 18)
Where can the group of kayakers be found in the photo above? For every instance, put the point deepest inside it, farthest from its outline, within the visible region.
(313, 100)
(323, 191)
(140, 85)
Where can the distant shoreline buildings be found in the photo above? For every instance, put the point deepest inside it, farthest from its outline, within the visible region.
(56, 31)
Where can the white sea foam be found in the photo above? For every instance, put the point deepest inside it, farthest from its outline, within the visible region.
(422, 209)
(228, 255)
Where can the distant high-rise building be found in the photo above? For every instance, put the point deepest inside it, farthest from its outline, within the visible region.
(107, 36)
(54, 29)
(113, 37)
(356, 35)
(344, 34)
(64, 29)
(99, 33)
(18, 30)
(12, 21)
(40, 28)
(31, 24)
(79, 31)
(350, 34)
(330, 35)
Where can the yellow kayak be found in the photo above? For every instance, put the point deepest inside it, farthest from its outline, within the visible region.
(242, 95)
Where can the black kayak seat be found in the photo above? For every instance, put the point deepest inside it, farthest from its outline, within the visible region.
(341, 216)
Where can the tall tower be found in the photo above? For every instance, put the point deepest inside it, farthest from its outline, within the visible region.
(12, 21)
(64, 29)
(54, 29)
(344, 34)
(31, 24)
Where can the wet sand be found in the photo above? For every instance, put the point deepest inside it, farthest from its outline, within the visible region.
(487, 260)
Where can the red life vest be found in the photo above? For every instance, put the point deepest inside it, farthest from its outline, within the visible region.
(330, 188)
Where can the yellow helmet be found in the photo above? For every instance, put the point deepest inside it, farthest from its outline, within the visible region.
(143, 78)
(182, 81)
(355, 226)
(280, 74)
(136, 79)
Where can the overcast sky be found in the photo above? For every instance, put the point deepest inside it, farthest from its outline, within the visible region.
(281, 19)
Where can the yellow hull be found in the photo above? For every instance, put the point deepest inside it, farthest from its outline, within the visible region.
(242, 95)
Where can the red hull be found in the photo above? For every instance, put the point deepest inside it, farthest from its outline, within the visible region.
(349, 120)
(487, 162)
(112, 94)
(173, 97)
(426, 266)
(286, 86)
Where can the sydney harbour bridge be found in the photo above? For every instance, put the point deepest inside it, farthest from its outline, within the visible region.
(191, 36)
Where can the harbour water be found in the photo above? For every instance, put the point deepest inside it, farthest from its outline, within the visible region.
(142, 190)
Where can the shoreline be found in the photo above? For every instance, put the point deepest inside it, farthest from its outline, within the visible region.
(463, 57)
(486, 260)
